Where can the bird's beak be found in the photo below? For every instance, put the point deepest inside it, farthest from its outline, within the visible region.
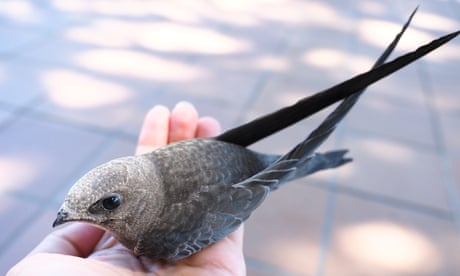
(62, 217)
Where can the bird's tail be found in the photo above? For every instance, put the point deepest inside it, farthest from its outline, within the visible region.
(262, 127)
(318, 162)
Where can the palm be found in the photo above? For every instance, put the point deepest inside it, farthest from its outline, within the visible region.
(83, 249)
(109, 256)
(112, 256)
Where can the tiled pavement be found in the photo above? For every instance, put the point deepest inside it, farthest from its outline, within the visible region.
(76, 78)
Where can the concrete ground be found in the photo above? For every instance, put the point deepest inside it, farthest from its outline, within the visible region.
(77, 77)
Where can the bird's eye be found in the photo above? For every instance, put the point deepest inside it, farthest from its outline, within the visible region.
(111, 202)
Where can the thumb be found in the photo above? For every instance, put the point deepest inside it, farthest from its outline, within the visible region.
(76, 239)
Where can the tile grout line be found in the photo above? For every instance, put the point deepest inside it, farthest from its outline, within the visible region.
(20, 229)
(260, 84)
(326, 228)
(444, 157)
(56, 119)
(405, 141)
(256, 92)
(332, 182)
(28, 110)
(18, 112)
(332, 186)
(43, 203)
(82, 166)
(404, 205)
(15, 53)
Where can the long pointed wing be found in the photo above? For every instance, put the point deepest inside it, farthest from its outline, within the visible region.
(262, 127)
(331, 121)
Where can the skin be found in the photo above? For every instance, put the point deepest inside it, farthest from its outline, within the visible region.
(83, 249)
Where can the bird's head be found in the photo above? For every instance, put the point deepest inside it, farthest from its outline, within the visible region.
(113, 196)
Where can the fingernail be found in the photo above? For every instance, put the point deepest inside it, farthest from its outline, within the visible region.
(184, 104)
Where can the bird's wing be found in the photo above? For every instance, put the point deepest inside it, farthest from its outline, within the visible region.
(234, 204)
(208, 216)
(262, 127)
(331, 121)
(301, 161)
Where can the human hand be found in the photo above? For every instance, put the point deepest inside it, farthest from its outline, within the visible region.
(83, 249)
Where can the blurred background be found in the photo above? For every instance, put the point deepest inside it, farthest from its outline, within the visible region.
(77, 77)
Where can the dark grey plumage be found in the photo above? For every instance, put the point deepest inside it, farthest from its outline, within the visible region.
(181, 198)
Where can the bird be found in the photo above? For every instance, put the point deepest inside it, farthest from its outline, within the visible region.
(175, 201)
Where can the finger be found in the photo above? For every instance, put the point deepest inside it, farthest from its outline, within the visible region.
(207, 127)
(75, 239)
(155, 129)
(58, 264)
(183, 122)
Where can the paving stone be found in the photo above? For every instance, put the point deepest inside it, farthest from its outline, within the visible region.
(19, 83)
(395, 170)
(285, 230)
(110, 150)
(369, 238)
(37, 156)
(30, 235)
(14, 215)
